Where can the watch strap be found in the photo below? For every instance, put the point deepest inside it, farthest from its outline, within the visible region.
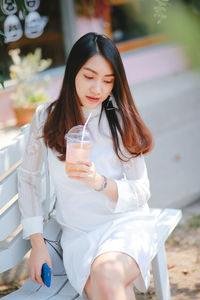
(104, 185)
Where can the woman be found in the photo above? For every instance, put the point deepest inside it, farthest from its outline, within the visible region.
(108, 234)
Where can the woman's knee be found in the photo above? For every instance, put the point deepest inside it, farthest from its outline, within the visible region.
(106, 276)
(100, 284)
(117, 268)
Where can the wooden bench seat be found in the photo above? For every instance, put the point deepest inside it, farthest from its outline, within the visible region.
(13, 247)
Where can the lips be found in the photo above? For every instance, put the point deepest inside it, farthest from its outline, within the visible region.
(92, 99)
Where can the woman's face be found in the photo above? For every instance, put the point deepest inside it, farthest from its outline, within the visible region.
(94, 81)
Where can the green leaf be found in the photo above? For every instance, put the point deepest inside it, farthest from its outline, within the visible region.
(2, 78)
(21, 6)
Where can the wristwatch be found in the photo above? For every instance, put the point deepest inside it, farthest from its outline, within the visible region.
(104, 185)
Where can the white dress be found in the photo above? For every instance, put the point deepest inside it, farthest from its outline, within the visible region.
(92, 223)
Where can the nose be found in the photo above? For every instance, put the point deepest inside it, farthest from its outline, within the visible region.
(96, 87)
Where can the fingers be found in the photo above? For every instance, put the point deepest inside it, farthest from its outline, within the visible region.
(80, 170)
(35, 275)
(50, 265)
(36, 261)
(79, 175)
(39, 278)
(84, 172)
(89, 164)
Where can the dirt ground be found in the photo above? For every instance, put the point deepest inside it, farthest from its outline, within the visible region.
(183, 259)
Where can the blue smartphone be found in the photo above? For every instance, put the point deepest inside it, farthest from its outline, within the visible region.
(46, 275)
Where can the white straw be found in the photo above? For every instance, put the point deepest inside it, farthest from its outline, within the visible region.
(83, 132)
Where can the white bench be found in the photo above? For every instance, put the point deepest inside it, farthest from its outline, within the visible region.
(13, 247)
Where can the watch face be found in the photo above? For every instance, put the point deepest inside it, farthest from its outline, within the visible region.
(105, 183)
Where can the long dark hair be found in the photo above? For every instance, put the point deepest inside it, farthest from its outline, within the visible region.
(66, 111)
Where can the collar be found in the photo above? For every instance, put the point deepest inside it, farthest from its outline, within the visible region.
(95, 111)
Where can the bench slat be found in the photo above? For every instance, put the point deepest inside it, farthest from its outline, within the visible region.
(13, 253)
(66, 293)
(28, 288)
(11, 154)
(9, 221)
(8, 188)
(32, 291)
(167, 220)
(156, 212)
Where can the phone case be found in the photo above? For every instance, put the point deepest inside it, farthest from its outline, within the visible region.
(46, 275)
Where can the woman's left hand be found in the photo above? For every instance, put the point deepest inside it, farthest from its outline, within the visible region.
(86, 172)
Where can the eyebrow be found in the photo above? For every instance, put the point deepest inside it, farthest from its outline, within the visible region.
(93, 71)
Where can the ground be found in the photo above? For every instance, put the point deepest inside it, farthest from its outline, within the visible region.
(183, 259)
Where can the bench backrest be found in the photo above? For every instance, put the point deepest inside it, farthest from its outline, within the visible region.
(12, 246)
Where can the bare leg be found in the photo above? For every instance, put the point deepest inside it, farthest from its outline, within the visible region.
(111, 277)
(119, 293)
(130, 295)
(111, 292)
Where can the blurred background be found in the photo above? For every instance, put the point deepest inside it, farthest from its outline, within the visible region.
(159, 42)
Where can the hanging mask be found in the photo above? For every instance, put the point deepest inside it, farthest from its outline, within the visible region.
(8, 7)
(34, 24)
(32, 5)
(12, 29)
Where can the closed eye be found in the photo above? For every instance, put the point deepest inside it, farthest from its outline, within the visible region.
(91, 77)
(108, 81)
(88, 77)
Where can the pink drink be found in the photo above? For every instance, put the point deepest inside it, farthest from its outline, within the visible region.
(77, 147)
(75, 153)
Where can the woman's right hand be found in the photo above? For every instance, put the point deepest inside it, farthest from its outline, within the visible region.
(39, 256)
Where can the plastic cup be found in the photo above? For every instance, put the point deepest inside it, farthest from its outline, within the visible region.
(77, 147)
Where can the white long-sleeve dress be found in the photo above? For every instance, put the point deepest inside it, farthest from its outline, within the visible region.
(92, 223)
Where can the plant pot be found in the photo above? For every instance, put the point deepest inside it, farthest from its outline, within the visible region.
(24, 115)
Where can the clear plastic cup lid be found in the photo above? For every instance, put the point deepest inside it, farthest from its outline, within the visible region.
(76, 134)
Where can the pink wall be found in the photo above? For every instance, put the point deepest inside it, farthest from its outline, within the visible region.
(149, 63)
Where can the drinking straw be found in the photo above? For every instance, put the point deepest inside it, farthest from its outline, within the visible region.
(84, 127)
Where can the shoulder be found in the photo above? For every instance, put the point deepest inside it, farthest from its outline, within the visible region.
(135, 163)
(41, 114)
(41, 110)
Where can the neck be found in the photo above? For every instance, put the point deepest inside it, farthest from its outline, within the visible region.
(95, 111)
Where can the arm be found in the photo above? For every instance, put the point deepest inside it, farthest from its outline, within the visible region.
(29, 179)
(133, 189)
(93, 179)
(39, 255)
(111, 190)
(130, 192)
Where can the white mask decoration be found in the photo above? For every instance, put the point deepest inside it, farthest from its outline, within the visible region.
(34, 24)
(12, 29)
(32, 5)
(9, 7)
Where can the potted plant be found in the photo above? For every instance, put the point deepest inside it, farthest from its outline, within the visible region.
(29, 92)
